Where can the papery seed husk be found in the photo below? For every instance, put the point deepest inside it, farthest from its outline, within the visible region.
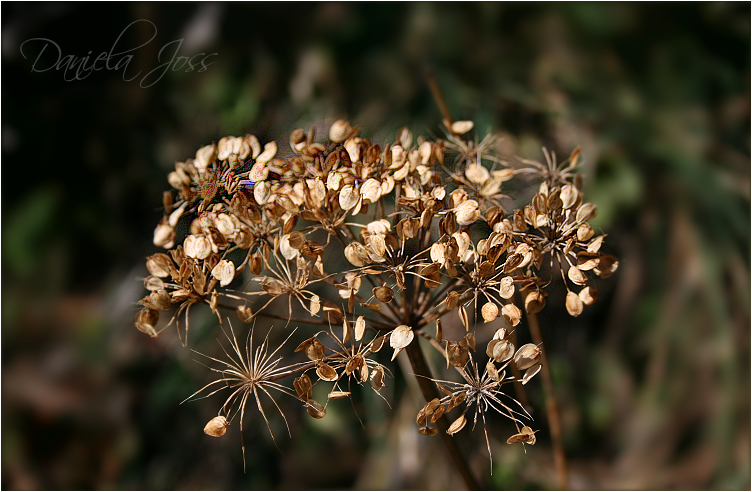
(506, 287)
(502, 351)
(588, 295)
(339, 131)
(153, 283)
(159, 265)
(573, 304)
(146, 319)
(585, 232)
(461, 127)
(568, 196)
(383, 293)
(586, 212)
(491, 370)
(303, 387)
(377, 378)
(527, 355)
(437, 413)
(360, 327)
(336, 395)
(216, 427)
(462, 312)
(490, 311)
(457, 425)
(531, 371)
(314, 350)
(315, 409)
(577, 276)
(470, 338)
(326, 372)
(534, 302)
(401, 337)
(526, 435)
(439, 332)
(421, 418)
(512, 314)
(428, 431)
(332, 313)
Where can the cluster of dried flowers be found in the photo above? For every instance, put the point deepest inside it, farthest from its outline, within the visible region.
(375, 245)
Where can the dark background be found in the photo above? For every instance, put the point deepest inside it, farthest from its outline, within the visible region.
(653, 381)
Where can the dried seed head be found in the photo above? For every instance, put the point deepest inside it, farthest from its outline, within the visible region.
(216, 427)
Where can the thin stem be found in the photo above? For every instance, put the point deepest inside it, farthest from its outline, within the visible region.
(552, 410)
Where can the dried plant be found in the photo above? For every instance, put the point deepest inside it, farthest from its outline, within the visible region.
(415, 238)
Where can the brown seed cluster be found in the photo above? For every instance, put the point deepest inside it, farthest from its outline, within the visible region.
(376, 244)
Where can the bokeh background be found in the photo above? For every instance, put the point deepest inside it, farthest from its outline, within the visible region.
(653, 381)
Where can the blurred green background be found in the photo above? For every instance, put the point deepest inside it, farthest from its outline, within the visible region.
(653, 381)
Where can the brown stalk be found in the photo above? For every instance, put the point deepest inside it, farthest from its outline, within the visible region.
(429, 391)
(552, 410)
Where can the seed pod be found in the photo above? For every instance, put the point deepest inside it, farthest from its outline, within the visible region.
(526, 436)
(490, 311)
(462, 312)
(577, 276)
(457, 353)
(244, 313)
(586, 212)
(332, 313)
(439, 332)
(146, 319)
(531, 371)
(315, 409)
(160, 299)
(216, 427)
(383, 293)
(348, 197)
(336, 395)
(428, 431)
(467, 212)
(512, 314)
(224, 272)
(360, 327)
(451, 300)
(356, 254)
(377, 378)
(461, 127)
(457, 425)
(573, 304)
(527, 355)
(585, 232)
(339, 131)
(303, 387)
(159, 265)
(506, 287)
(588, 295)
(437, 413)
(491, 370)
(153, 283)
(534, 302)
(325, 371)
(400, 338)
